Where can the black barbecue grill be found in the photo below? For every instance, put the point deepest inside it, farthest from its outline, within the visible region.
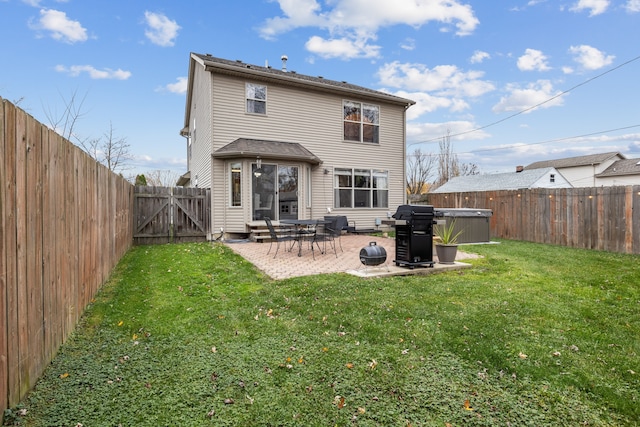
(414, 235)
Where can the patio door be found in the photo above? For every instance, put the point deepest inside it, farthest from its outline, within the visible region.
(274, 191)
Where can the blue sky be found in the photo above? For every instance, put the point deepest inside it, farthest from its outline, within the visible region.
(511, 81)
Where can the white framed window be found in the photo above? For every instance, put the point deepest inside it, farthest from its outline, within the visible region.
(256, 97)
(235, 182)
(361, 122)
(361, 188)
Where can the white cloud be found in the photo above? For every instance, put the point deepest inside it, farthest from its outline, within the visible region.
(590, 58)
(633, 6)
(60, 27)
(533, 60)
(479, 56)
(596, 7)
(179, 87)
(359, 20)
(94, 73)
(427, 103)
(442, 79)
(434, 132)
(444, 86)
(410, 44)
(344, 48)
(161, 30)
(520, 99)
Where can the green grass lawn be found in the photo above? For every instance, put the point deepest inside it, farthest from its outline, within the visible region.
(191, 335)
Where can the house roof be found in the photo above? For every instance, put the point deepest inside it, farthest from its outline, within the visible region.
(493, 182)
(570, 162)
(221, 65)
(622, 167)
(244, 147)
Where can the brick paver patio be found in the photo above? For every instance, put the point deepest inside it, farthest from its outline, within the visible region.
(288, 264)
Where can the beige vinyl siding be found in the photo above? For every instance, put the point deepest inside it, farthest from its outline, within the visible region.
(313, 119)
(200, 162)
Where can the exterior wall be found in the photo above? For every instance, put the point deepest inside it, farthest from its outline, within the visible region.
(200, 160)
(584, 176)
(545, 182)
(314, 120)
(618, 180)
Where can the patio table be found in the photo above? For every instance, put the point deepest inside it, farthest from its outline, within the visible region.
(302, 229)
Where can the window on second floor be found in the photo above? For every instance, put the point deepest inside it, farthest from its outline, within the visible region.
(256, 96)
(552, 178)
(361, 122)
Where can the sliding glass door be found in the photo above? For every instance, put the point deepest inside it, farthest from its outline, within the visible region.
(274, 191)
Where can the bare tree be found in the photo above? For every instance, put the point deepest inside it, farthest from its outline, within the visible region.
(449, 165)
(420, 167)
(162, 178)
(110, 150)
(64, 123)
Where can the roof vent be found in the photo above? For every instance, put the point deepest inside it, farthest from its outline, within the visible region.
(519, 169)
(284, 59)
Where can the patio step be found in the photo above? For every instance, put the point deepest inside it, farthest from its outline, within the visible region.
(258, 231)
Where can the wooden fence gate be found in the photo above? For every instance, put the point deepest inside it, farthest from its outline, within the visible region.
(171, 215)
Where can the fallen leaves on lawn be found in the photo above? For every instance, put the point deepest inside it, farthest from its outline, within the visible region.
(65, 375)
(521, 355)
(349, 365)
(467, 405)
(373, 364)
(339, 402)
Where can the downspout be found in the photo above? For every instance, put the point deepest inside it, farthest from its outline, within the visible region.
(404, 154)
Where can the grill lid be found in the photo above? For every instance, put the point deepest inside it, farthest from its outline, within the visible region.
(408, 212)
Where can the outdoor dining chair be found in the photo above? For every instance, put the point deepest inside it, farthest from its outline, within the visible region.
(282, 235)
(324, 234)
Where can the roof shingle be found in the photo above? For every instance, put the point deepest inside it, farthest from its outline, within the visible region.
(569, 162)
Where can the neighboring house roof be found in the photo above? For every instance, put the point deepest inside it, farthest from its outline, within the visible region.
(570, 162)
(291, 78)
(622, 167)
(493, 182)
(244, 147)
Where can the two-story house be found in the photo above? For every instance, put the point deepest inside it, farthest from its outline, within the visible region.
(278, 144)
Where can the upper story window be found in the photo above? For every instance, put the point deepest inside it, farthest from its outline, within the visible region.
(552, 177)
(361, 122)
(256, 98)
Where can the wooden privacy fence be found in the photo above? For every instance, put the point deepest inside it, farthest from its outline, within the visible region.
(65, 222)
(166, 214)
(603, 218)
